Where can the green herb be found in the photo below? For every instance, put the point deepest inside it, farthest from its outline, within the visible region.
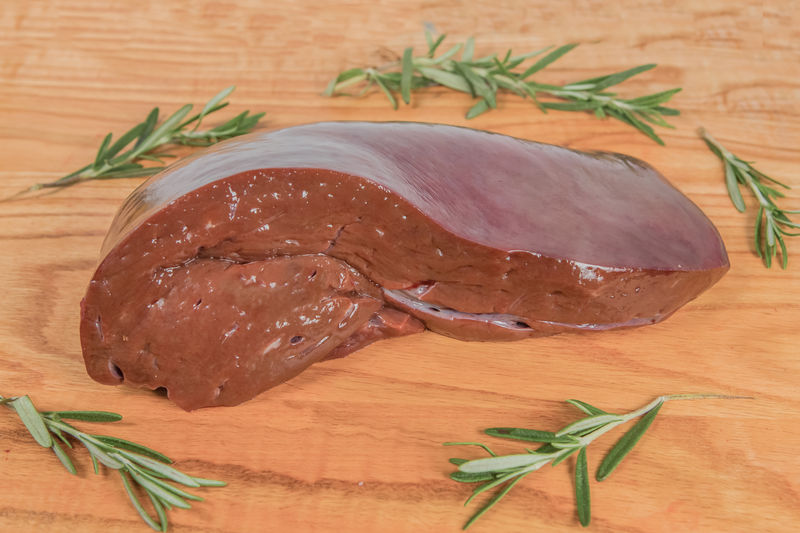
(482, 78)
(575, 437)
(146, 467)
(771, 220)
(112, 163)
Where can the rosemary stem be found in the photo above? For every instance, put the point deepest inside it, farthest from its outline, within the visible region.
(586, 439)
(6, 402)
(483, 77)
(111, 163)
(63, 183)
(509, 469)
(63, 427)
(627, 418)
(643, 410)
(673, 397)
(757, 192)
(771, 220)
(733, 160)
(147, 468)
(352, 81)
(707, 136)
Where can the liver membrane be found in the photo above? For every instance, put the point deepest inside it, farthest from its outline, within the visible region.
(238, 267)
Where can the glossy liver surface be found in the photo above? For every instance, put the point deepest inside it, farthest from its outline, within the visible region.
(239, 267)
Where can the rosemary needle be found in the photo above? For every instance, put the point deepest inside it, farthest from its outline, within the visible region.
(771, 220)
(496, 470)
(144, 140)
(483, 77)
(147, 468)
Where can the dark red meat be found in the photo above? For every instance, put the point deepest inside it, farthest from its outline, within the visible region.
(237, 268)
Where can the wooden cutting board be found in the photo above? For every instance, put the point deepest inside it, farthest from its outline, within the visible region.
(355, 444)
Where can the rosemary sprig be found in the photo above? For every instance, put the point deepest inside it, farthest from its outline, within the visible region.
(146, 467)
(146, 138)
(575, 437)
(771, 220)
(483, 78)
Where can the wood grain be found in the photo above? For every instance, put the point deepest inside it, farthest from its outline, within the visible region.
(355, 444)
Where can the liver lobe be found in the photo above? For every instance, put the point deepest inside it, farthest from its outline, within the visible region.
(339, 234)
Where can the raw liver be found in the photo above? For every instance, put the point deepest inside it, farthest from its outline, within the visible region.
(240, 266)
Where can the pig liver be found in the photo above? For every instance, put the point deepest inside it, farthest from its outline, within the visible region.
(238, 267)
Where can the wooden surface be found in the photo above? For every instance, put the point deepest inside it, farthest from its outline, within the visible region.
(355, 444)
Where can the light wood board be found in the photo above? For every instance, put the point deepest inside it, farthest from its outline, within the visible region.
(355, 444)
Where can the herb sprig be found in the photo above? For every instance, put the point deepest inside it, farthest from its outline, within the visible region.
(145, 467)
(483, 77)
(771, 221)
(111, 162)
(496, 470)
